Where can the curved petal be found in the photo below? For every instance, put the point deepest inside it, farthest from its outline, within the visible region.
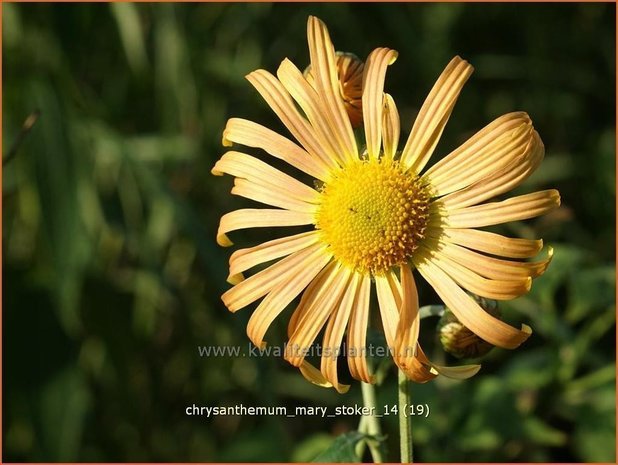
(260, 284)
(407, 353)
(457, 372)
(418, 371)
(273, 92)
(489, 288)
(250, 134)
(335, 328)
(495, 268)
(357, 334)
(409, 321)
(258, 172)
(243, 259)
(281, 296)
(516, 208)
(315, 376)
(479, 146)
(434, 114)
(486, 161)
(471, 315)
(313, 320)
(308, 99)
(259, 218)
(390, 127)
(314, 291)
(503, 180)
(495, 244)
(425, 368)
(270, 196)
(389, 301)
(324, 69)
(373, 96)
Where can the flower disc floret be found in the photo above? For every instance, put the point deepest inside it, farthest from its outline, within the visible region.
(373, 215)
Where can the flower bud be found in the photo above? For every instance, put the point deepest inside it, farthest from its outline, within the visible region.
(458, 340)
(350, 74)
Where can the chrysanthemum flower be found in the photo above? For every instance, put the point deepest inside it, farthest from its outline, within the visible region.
(375, 214)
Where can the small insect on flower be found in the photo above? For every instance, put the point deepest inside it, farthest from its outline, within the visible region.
(377, 214)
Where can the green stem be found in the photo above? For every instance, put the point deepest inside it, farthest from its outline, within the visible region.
(371, 425)
(431, 310)
(405, 421)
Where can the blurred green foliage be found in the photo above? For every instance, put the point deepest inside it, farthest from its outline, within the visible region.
(112, 276)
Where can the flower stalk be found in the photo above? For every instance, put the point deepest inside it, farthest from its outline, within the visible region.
(405, 421)
(371, 424)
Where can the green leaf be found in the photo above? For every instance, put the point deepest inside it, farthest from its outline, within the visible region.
(342, 449)
(590, 291)
(595, 433)
(541, 433)
(63, 407)
(132, 35)
(311, 447)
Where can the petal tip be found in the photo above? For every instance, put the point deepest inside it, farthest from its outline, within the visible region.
(225, 142)
(394, 56)
(216, 170)
(224, 241)
(228, 302)
(342, 388)
(235, 278)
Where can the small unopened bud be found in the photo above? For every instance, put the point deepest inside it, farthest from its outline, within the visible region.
(458, 340)
(350, 75)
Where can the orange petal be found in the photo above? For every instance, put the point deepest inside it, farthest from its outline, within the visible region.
(309, 101)
(259, 218)
(357, 334)
(251, 134)
(243, 259)
(272, 197)
(470, 314)
(333, 335)
(495, 268)
(390, 127)
(313, 375)
(373, 96)
(313, 320)
(314, 291)
(434, 114)
(501, 181)
(489, 288)
(514, 209)
(324, 69)
(281, 296)
(262, 283)
(260, 173)
(409, 321)
(492, 243)
(487, 151)
(277, 97)
(389, 301)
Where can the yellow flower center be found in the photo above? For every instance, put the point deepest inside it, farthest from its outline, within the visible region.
(373, 215)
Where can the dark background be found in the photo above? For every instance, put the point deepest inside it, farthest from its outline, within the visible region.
(112, 277)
